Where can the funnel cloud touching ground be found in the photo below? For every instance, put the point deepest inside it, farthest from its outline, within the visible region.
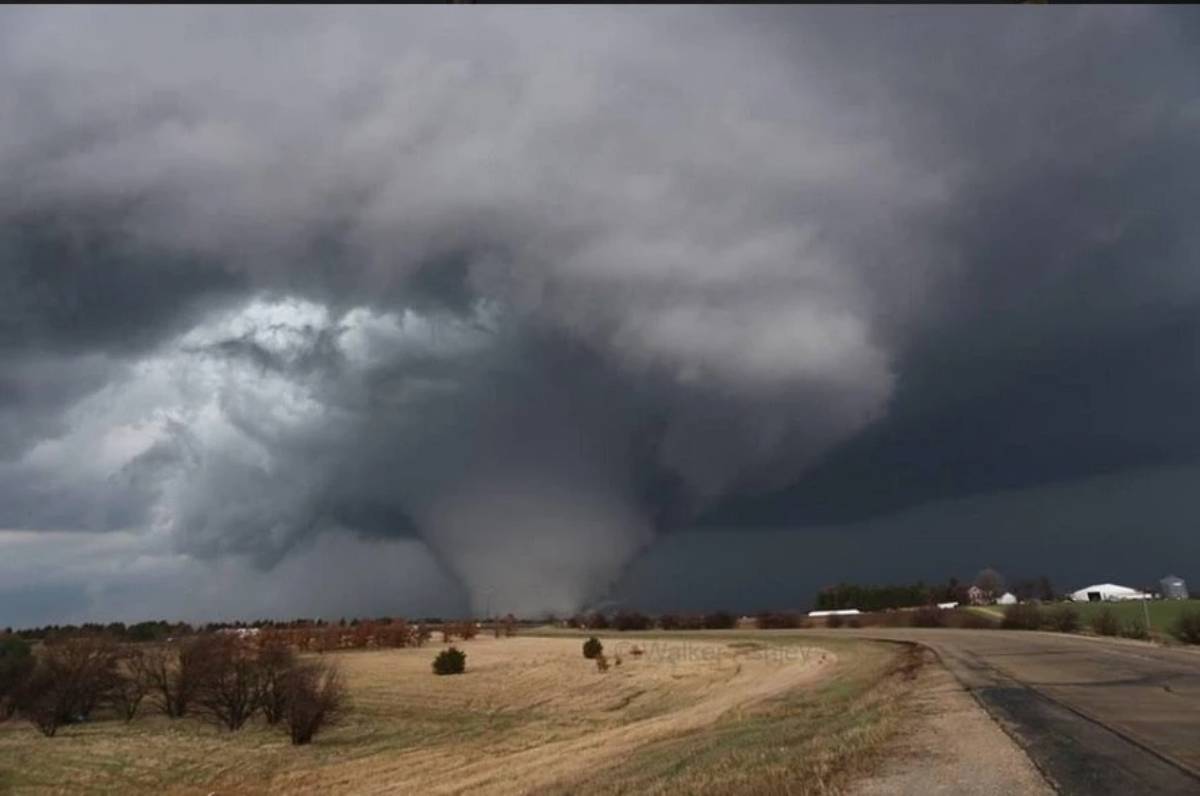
(526, 292)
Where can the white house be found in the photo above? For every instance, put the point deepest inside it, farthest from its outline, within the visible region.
(1008, 598)
(1107, 592)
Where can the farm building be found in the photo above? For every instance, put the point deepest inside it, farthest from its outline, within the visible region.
(1107, 592)
(976, 596)
(1008, 598)
(843, 612)
(1173, 588)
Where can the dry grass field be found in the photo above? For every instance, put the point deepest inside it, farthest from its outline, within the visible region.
(706, 712)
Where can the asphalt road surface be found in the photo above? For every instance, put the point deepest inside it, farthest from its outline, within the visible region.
(1097, 716)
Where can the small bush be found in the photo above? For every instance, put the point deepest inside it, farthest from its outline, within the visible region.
(1064, 618)
(592, 648)
(1187, 627)
(1105, 623)
(1136, 628)
(602, 663)
(1022, 616)
(929, 616)
(834, 620)
(636, 651)
(450, 661)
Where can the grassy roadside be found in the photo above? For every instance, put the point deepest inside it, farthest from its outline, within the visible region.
(808, 741)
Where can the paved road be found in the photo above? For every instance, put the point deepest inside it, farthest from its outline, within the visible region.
(1096, 716)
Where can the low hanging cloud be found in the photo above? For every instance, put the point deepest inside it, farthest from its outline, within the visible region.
(534, 287)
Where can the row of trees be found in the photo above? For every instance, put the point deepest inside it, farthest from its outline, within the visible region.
(880, 598)
(633, 620)
(306, 634)
(891, 596)
(218, 677)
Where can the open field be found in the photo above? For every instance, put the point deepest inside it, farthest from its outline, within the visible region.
(740, 711)
(1163, 613)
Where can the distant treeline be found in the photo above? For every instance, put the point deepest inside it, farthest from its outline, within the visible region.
(161, 630)
(881, 598)
(633, 620)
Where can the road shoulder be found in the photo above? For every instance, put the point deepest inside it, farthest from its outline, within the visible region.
(950, 745)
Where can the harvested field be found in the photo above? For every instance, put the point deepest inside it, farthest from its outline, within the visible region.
(530, 715)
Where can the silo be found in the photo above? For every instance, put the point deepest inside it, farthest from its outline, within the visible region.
(1173, 588)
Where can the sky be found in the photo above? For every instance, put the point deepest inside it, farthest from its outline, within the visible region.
(450, 310)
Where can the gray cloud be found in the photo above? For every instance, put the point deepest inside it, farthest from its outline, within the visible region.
(534, 286)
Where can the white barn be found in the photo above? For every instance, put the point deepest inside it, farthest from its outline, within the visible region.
(1107, 592)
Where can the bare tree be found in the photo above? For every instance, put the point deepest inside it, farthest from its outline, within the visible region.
(229, 680)
(170, 673)
(990, 582)
(16, 664)
(133, 684)
(70, 679)
(316, 696)
(276, 660)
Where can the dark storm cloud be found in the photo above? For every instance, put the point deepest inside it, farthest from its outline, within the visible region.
(535, 286)
(1062, 342)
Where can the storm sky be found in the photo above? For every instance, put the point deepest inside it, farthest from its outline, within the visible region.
(461, 309)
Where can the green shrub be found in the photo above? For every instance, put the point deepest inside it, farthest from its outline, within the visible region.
(1022, 616)
(1105, 622)
(592, 648)
(1064, 618)
(1187, 627)
(450, 661)
(1136, 628)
